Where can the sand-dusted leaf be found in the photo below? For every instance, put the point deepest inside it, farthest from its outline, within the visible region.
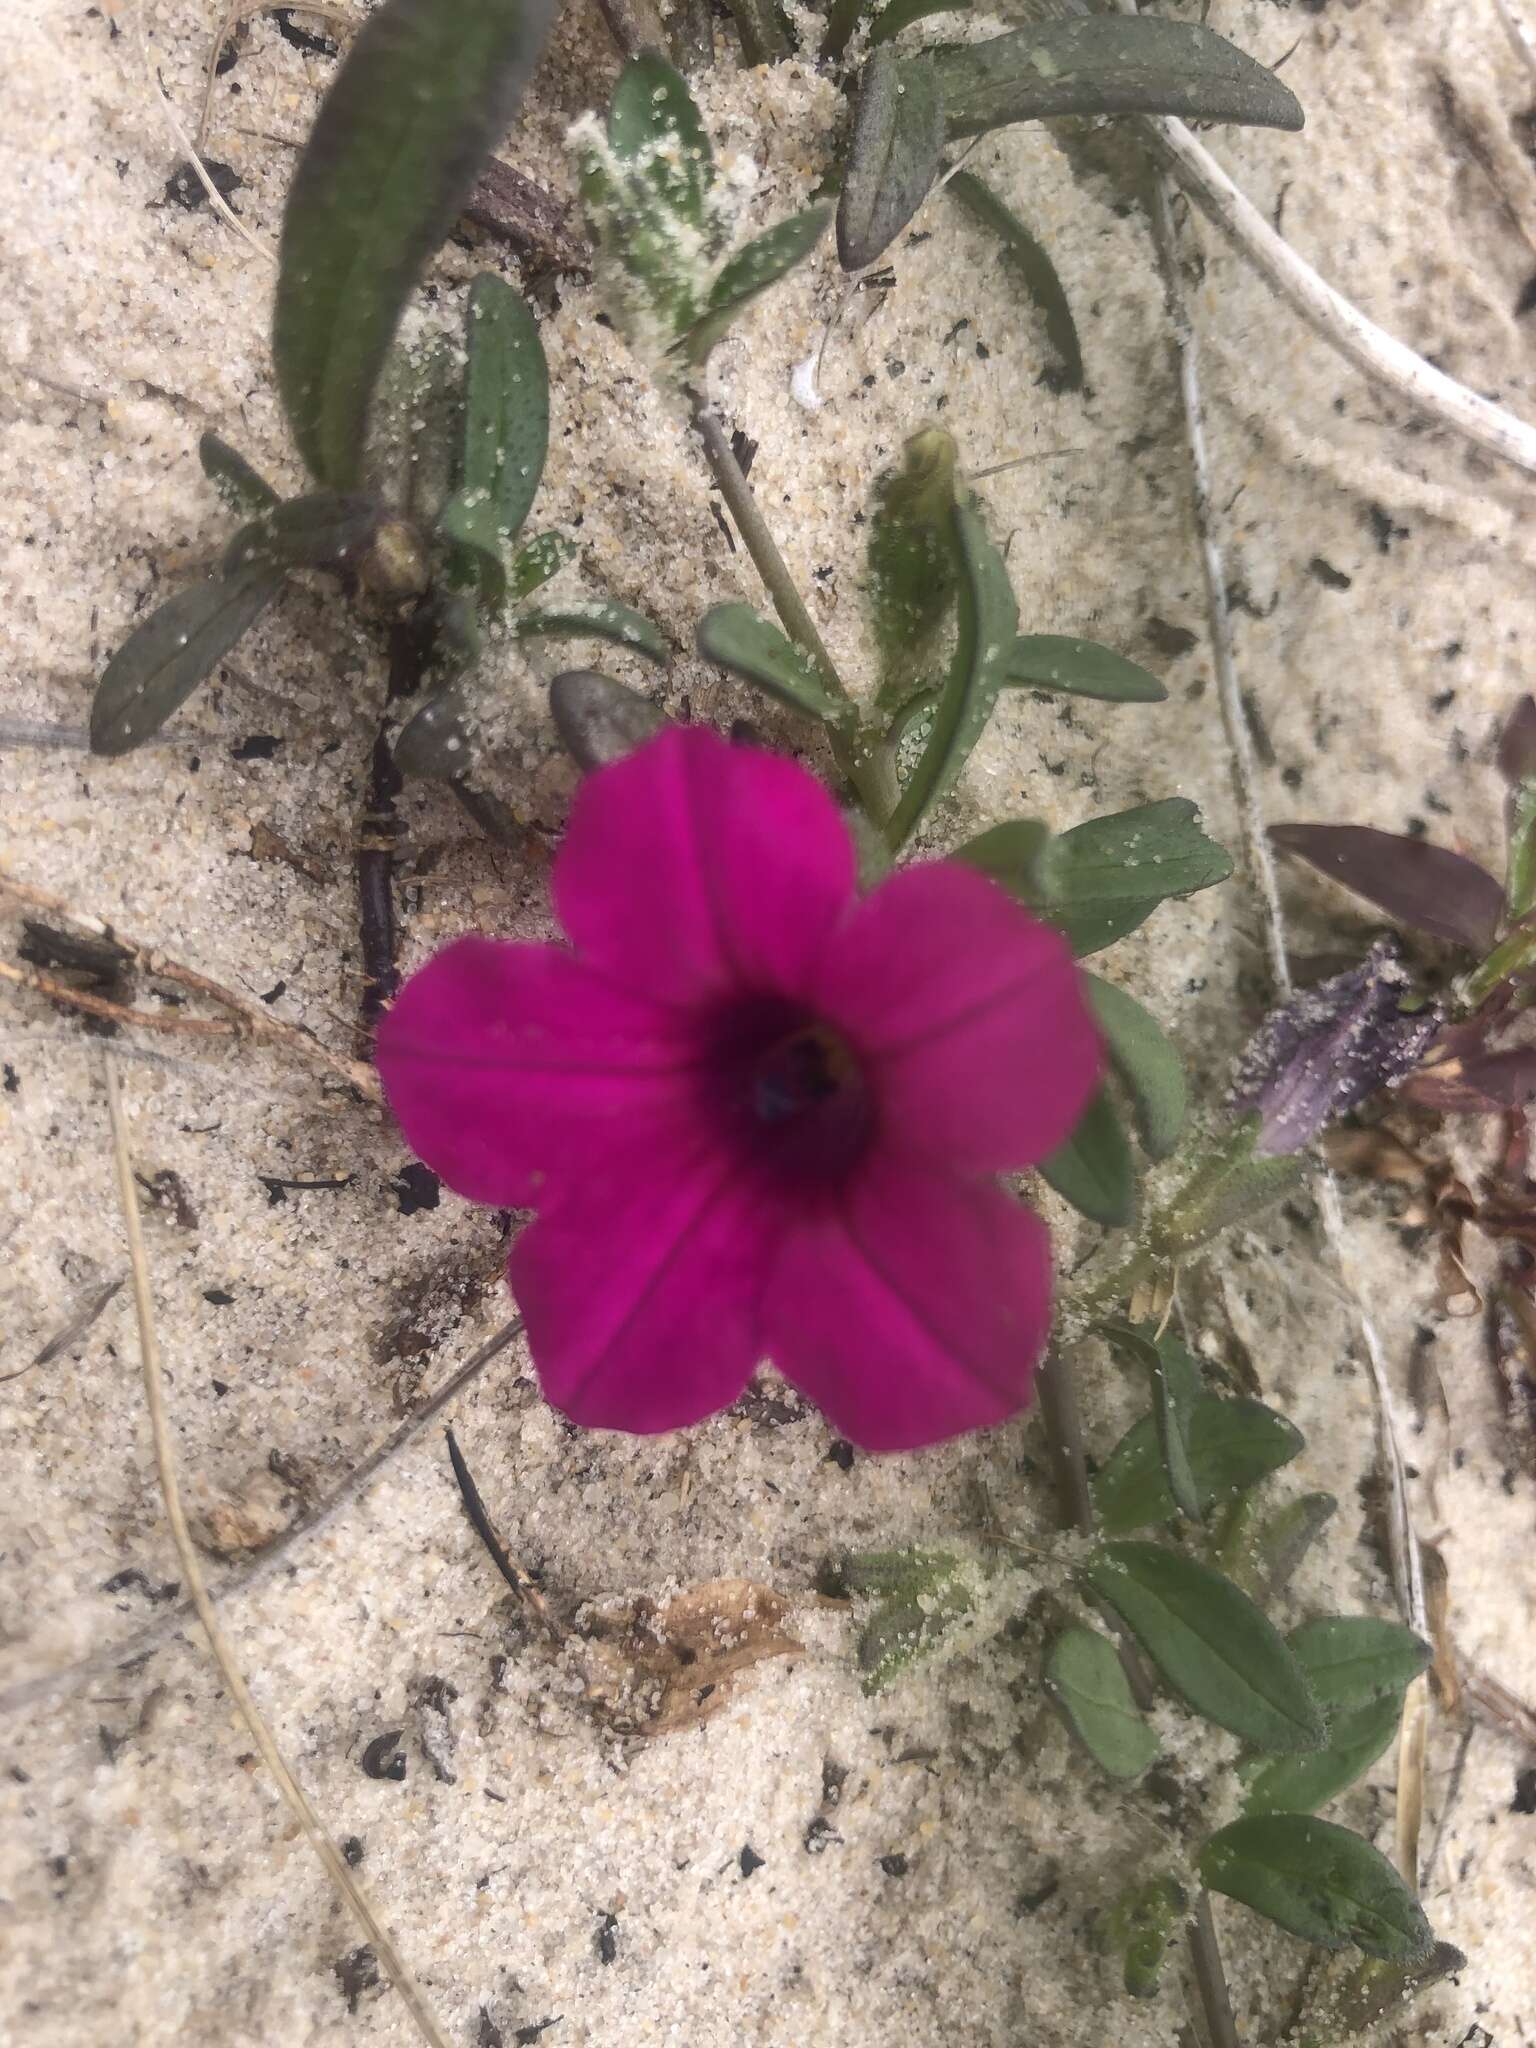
(1105, 877)
(323, 530)
(1146, 1060)
(659, 1669)
(1318, 1881)
(1108, 64)
(765, 259)
(656, 130)
(1428, 887)
(1357, 1736)
(1177, 1391)
(599, 720)
(1087, 1683)
(536, 562)
(1032, 264)
(1137, 1927)
(419, 413)
(1094, 1170)
(746, 644)
(1232, 1444)
(1352, 1659)
(893, 156)
(1080, 668)
(420, 98)
(243, 489)
(597, 618)
(162, 661)
(436, 742)
(1231, 1182)
(505, 429)
(1350, 1995)
(988, 621)
(1216, 1649)
(1267, 1555)
(914, 565)
(925, 1594)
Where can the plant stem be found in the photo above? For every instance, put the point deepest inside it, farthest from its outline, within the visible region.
(867, 767)
(1210, 1977)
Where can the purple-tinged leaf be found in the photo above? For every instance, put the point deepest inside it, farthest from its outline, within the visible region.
(1428, 887)
(1517, 744)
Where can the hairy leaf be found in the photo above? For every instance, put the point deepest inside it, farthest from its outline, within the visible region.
(1232, 1444)
(1039, 277)
(418, 102)
(1146, 1060)
(1428, 887)
(1086, 1681)
(1357, 1736)
(1080, 668)
(893, 156)
(1108, 64)
(1213, 1645)
(988, 621)
(750, 646)
(506, 429)
(1352, 1659)
(768, 257)
(162, 661)
(1093, 1170)
(1318, 1881)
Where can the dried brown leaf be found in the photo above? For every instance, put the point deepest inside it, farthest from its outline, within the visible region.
(656, 1670)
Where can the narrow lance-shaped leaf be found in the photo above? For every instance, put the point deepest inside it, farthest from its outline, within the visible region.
(913, 561)
(1087, 1683)
(422, 95)
(1232, 1444)
(1317, 1881)
(893, 156)
(1146, 1060)
(1177, 1390)
(1427, 887)
(506, 428)
(323, 530)
(1080, 668)
(988, 621)
(162, 661)
(1108, 64)
(243, 489)
(1215, 1648)
(1037, 273)
(1093, 1170)
(750, 646)
(768, 257)
(594, 618)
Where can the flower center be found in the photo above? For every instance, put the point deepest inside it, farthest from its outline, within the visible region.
(801, 1075)
(796, 1093)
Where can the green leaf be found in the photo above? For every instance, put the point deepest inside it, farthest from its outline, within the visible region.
(1080, 668)
(1352, 1659)
(1094, 1170)
(506, 429)
(1318, 1881)
(325, 530)
(1177, 1390)
(242, 489)
(1265, 1559)
(1357, 1736)
(893, 156)
(595, 618)
(413, 111)
(162, 661)
(1038, 275)
(914, 565)
(1087, 1683)
(988, 621)
(435, 744)
(1347, 1996)
(1210, 1642)
(534, 564)
(1144, 1057)
(655, 128)
(599, 720)
(748, 645)
(921, 1595)
(768, 257)
(1108, 64)
(1104, 878)
(421, 404)
(1231, 1183)
(1138, 1927)
(1232, 1444)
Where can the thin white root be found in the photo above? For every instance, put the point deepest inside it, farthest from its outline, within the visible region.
(374, 1930)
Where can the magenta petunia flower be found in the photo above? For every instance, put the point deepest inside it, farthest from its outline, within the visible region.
(759, 1117)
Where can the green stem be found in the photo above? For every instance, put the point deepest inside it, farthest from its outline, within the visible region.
(869, 770)
(1510, 956)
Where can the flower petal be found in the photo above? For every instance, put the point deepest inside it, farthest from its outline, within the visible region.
(511, 1069)
(640, 1293)
(694, 866)
(913, 1311)
(971, 1014)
